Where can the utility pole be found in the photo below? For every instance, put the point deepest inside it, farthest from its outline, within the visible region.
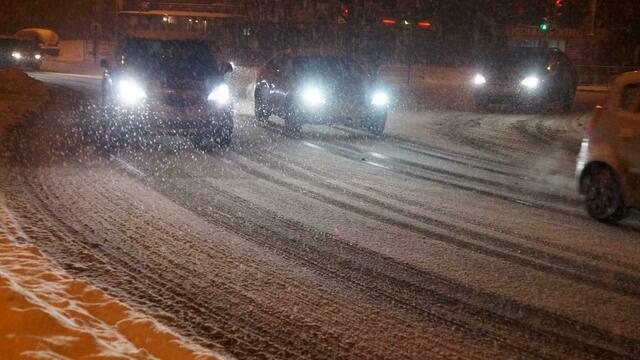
(591, 19)
(119, 7)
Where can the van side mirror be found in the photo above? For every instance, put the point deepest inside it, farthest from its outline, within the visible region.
(226, 67)
(105, 64)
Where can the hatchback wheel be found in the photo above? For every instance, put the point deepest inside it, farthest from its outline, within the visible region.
(603, 195)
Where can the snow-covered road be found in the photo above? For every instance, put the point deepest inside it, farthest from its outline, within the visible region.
(457, 234)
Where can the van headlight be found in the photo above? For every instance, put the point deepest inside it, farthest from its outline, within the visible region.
(16, 55)
(380, 98)
(220, 95)
(129, 92)
(530, 82)
(313, 97)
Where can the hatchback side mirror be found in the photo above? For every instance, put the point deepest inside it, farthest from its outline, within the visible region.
(226, 68)
(105, 64)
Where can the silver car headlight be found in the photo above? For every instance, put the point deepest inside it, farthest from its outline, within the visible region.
(129, 92)
(16, 55)
(479, 80)
(530, 82)
(380, 98)
(220, 95)
(313, 97)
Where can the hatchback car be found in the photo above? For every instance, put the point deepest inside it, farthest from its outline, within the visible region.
(525, 77)
(608, 168)
(308, 88)
(167, 87)
(19, 53)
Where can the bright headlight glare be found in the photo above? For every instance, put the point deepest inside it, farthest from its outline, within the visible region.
(380, 99)
(479, 79)
(130, 93)
(313, 97)
(531, 82)
(38, 56)
(16, 55)
(221, 94)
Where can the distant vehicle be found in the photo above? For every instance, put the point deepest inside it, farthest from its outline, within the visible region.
(47, 40)
(526, 77)
(608, 168)
(307, 88)
(23, 54)
(167, 87)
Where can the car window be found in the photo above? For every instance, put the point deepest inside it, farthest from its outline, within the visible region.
(190, 59)
(630, 101)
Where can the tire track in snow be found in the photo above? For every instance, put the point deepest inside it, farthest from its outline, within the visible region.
(169, 292)
(251, 211)
(285, 163)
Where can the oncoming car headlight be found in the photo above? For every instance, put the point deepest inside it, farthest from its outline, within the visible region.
(129, 92)
(37, 56)
(380, 98)
(221, 94)
(16, 55)
(312, 96)
(479, 79)
(530, 82)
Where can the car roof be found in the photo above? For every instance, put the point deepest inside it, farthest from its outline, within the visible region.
(627, 78)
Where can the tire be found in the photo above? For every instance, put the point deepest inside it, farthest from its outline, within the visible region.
(482, 104)
(376, 124)
(109, 134)
(221, 140)
(604, 200)
(567, 101)
(292, 125)
(261, 110)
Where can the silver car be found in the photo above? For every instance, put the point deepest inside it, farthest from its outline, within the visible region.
(608, 168)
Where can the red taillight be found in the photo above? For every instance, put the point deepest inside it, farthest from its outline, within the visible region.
(596, 118)
(424, 24)
(389, 21)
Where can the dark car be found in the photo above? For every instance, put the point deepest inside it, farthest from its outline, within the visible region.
(309, 88)
(19, 53)
(529, 77)
(167, 87)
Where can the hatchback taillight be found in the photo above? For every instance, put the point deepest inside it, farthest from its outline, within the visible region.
(596, 118)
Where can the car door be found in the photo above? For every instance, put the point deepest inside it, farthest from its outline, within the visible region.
(279, 87)
(557, 75)
(567, 75)
(627, 118)
(271, 81)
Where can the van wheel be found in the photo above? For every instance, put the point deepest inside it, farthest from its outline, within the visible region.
(603, 195)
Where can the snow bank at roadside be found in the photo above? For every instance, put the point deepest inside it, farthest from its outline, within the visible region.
(45, 314)
(19, 96)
